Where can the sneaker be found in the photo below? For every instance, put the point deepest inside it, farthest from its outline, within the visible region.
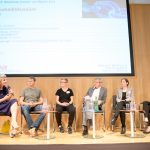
(147, 130)
(33, 132)
(12, 133)
(69, 130)
(61, 129)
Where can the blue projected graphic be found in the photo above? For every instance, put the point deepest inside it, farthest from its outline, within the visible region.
(103, 9)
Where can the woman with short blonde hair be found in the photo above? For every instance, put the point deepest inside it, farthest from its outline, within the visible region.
(64, 102)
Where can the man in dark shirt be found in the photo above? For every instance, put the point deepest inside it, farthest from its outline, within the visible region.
(64, 102)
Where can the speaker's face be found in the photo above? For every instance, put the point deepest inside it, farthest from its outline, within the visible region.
(30, 82)
(4, 81)
(124, 83)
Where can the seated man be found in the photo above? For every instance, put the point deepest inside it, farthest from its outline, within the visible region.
(31, 100)
(64, 102)
(146, 108)
(96, 92)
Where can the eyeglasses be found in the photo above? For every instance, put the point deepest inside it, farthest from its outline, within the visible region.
(63, 82)
(99, 82)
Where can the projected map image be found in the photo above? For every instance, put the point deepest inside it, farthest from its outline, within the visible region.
(103, 9)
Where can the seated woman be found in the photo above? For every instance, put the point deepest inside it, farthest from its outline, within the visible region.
(8, 107)
(124, 96)
(96, 92)
(4, 80)
(146, 108)
(64, 102)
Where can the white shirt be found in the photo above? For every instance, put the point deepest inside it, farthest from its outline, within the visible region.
(96, 94)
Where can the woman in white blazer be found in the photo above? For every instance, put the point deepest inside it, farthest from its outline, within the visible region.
(123, 97)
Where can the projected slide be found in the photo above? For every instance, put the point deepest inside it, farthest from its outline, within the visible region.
(64, 37)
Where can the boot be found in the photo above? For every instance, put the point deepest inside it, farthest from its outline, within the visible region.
(123, 130)
(85, 131)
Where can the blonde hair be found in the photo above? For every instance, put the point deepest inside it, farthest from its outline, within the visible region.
(3, 76)
(64, 79)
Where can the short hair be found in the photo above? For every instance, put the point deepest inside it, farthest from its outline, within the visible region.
(99, 79)
(3, 75)
(65, 79)
(33, 78)
(127, 81)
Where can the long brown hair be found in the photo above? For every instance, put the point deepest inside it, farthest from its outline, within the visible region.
(127, 81)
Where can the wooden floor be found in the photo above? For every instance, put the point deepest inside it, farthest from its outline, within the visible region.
(107, 137)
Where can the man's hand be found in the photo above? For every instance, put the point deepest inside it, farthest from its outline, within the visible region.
(32, 104)
(100, 102)
(87, 97)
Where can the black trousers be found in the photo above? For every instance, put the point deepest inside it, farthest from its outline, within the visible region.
(146, 108)
(121, 105)
(70, 109)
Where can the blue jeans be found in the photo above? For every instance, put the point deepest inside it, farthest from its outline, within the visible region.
(26, 112)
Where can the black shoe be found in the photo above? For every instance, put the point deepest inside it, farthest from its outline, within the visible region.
(61, 129)
(123, 130)
(69, 130)
(85, 131)
(113, 121)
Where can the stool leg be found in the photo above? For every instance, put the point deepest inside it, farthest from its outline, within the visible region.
(139, 121)
(75, 123)
(104, 126)
(143, 121)
(53, 122)
(21, 123)
(134, 123)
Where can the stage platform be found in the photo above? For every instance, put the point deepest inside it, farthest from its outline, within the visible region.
(107, 137)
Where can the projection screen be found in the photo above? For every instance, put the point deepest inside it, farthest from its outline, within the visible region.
(65, 37)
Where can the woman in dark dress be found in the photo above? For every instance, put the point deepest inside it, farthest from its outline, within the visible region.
(8, 106)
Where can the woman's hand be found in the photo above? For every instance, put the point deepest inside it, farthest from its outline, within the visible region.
(11, 91)
(65, 104)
